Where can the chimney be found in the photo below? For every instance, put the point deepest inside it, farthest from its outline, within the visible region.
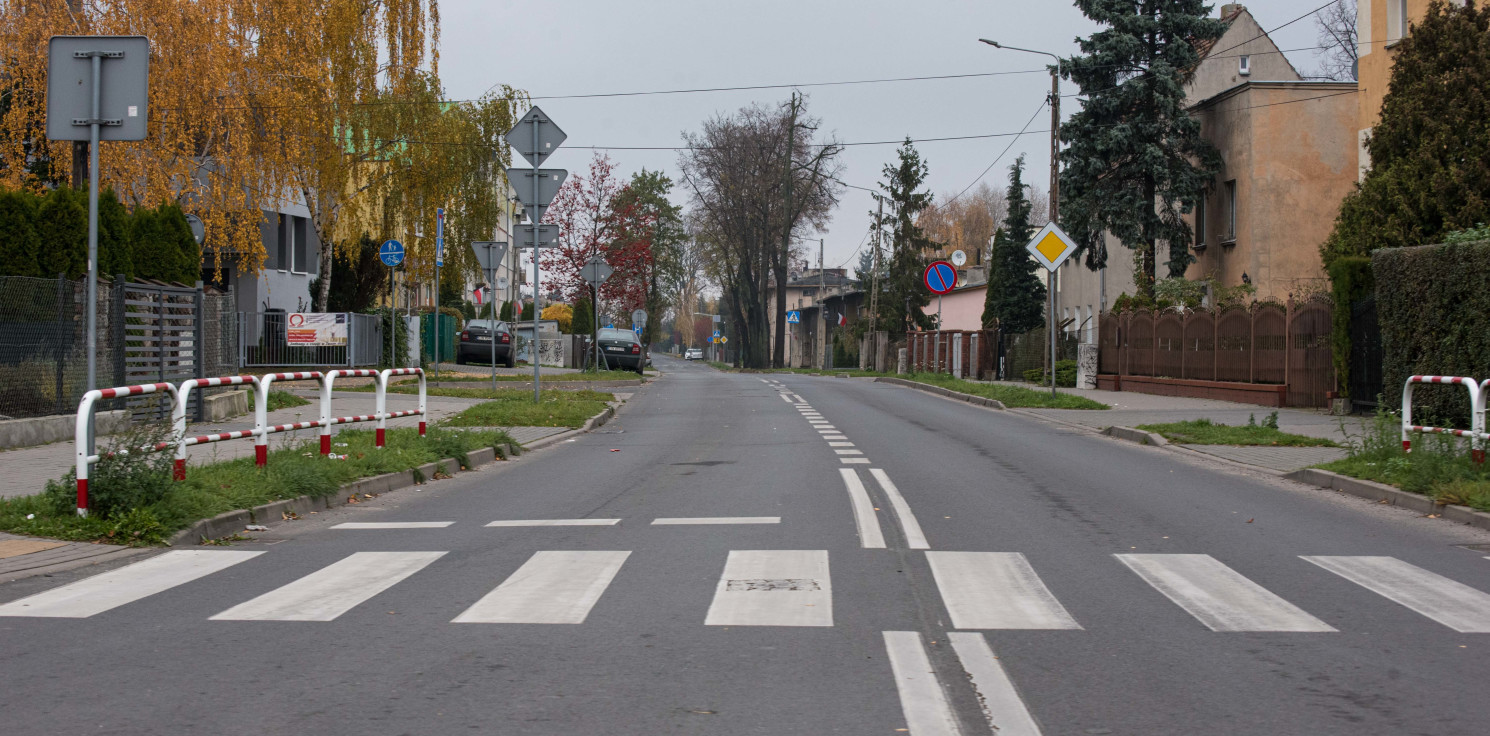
(1231, 9)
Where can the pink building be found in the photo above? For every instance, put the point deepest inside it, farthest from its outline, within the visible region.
(962, 308)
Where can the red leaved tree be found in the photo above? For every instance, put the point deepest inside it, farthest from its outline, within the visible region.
(590, 223)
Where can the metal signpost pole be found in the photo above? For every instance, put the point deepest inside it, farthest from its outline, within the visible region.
(93, 122)
(1050, 309)
(439, 261)
(537, 249)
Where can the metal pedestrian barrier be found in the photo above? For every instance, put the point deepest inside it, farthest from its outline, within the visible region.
(83, 433)
(1475, 433)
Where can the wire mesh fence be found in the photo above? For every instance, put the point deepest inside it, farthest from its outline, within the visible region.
(146, 333)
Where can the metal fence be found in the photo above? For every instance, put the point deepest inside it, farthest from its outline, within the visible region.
(146, 333)
(1285, 345)
(263, 341)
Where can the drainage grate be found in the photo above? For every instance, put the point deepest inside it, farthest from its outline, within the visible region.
(779, 584)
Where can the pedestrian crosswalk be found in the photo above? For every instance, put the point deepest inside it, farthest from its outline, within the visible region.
(979, 591)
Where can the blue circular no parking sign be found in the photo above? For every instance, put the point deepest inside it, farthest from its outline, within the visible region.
(940, 277)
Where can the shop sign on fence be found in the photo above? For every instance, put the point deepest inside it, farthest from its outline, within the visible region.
(317, 328)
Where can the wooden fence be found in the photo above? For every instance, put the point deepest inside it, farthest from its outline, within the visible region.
(1269, 354)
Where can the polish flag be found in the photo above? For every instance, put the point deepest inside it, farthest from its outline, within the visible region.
(476, 293)
(842, 320)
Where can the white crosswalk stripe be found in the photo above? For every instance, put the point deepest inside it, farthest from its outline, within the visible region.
(550, 588)
(1218, 596)
(922, 699)
(996, 590)
(1453, 604)
(773, 588)
(332, 590)
(1002, 706)
(99, 593)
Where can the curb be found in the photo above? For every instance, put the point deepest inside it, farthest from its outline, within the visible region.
(938, 390)
(232, 522)
(590, 424)
(1136, 435)
(1373, 491)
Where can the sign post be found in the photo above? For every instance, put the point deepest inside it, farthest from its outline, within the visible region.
(439, 261)
(940, 277)
(595, 272)
(489, 253)
(535, 137)
(80, 107)
(1051, 247)
(391, 253)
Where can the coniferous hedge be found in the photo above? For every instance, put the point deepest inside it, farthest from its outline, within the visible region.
(42, 235)
(1433, 303)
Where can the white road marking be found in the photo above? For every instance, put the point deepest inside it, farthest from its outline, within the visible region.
(854, 460)
(1218, 596)
(786, 398)
(1005, 710)
(550, 588)
(394, 525)
(821, 427)
(833, 435)
(849, 452)
(870, 535)
(840, 444)
(927, 712)
(996, 590)
(799, 399)
(717, 520)
(332, 590)
(913, 536)
(784, 587)
(99, 593)
(1453, 604)
(555, 522)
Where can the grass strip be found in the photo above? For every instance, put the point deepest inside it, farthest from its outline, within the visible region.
(278, 400)
(510, 378)
(149, 506)
(1014, 397)
(514, 407)
(1438, 467)
(1206, 432)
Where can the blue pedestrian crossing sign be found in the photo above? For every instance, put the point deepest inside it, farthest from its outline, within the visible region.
(391, 252)
(792, 318)
(716, 334)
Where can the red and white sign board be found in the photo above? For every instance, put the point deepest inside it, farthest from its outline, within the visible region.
(317, 328)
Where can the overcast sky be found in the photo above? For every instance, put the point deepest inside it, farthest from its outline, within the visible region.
(570, 47)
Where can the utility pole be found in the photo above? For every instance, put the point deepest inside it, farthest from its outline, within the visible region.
(1055, 198)
(786, 236)
(822, 300)
(874, 279)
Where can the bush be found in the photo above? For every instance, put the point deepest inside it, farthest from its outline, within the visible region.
(1351, 281)
(1065, 374)
(1433, 303)
(124, 479)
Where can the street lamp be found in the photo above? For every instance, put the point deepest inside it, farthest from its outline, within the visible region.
(1055, 182)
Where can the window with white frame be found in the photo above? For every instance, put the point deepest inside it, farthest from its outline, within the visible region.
(1231, 211)
(300, 248)
(282, 248)
(1396, 20)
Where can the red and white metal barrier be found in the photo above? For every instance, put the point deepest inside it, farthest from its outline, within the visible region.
(262, 430)
(178, 419)
(328, 421)
(85, 456)
(382, 406)
(1476, 432)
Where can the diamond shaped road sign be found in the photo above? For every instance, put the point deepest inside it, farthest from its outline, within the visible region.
(1051, 246)
(549, 181)
(596, 271)
(549, 137)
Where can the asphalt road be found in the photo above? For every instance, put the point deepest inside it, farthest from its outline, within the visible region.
(878, 561)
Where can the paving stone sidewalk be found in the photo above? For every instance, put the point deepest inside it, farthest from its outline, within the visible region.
(1130, 409)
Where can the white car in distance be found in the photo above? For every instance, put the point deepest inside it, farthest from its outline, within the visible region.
(693, 354)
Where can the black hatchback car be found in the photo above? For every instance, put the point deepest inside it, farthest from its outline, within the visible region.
(621, 349)
(476, 343)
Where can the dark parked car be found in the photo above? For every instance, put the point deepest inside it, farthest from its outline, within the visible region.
(621, 349)
(476, 343)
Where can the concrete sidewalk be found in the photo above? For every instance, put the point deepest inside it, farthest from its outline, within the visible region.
(1130, 409)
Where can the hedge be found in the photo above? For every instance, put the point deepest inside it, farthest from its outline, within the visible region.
(47, 234)
(1433, 303)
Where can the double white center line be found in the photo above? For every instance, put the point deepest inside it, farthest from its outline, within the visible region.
(870, 534)
(923, 700)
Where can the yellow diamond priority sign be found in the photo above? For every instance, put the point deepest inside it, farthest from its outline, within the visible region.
(1051, 246)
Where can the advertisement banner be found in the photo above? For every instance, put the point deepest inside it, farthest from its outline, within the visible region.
(317, 328)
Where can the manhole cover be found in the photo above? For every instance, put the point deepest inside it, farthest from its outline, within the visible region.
(778, 584)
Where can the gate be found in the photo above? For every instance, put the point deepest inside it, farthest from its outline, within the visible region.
(1365, 380)
(160, 334)
(263, 341)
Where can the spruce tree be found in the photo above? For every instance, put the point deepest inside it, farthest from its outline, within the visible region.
(1015, 300)
(18, 241)
(179, 244)
(115, 241)
(62, 233)
(582, 323)
(903, 294)
(1134, 159)
(1430, 153)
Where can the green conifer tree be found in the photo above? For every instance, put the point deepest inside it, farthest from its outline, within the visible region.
(1015, 300)
(62, 233)
(903, 293)
(115, 237)
(582, 325)
(1134, 159)
(179, 244)
(1430, 153)
(18, 240)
